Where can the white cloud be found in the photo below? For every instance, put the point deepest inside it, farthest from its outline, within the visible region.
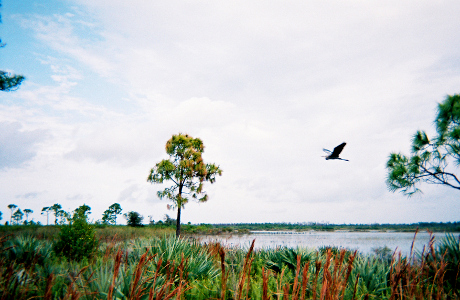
(18, 146)
(265, 85)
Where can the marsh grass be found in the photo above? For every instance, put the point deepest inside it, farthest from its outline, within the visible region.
(126, 233)
(169, 268)
(103, 233)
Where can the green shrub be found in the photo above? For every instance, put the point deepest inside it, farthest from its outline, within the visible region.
(134, 219)
(276, 259)
(27, 251)
(373, 274)
(448, 251)
(200, 263)
(76, 240)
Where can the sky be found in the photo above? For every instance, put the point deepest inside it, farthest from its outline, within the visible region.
(266, 85)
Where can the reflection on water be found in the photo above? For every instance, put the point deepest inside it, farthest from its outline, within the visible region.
(364, 242)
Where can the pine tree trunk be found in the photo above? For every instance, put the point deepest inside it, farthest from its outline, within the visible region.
(178, 222)
(179, 206)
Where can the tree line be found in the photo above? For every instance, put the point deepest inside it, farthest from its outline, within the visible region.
(61, 217)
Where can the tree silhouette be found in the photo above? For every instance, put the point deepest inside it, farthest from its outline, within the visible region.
(110, 214)
(18, 215)
(57, 210)
(46, 210)
(12, 207)
(27, 212)
(133, 219)
(83, 211)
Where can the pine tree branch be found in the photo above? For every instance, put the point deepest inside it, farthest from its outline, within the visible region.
(441, 178)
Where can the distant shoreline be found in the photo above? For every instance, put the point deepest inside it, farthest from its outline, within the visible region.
(245, 228)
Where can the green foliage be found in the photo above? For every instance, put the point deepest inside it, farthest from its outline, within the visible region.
(28, 251)
(186, 170)
(83, 211)
(58, 212)
(9, 82)
(200, 263)
(373, 275)
(334, 249)
(169, 221)
(110, 215)
(107, 218)
(77, 240)
(27, 212)
(119, 233)
(429, 161)
(448, 251)
(17, 216)
(134, 268)
(286, 257)
(12, 207)
(134, 219)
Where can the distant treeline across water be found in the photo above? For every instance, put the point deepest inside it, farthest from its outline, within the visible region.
(421, 226)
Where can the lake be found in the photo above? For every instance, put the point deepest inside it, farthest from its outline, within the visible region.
(364, 242)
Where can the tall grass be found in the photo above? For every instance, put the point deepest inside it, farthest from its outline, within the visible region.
(169, 268)
(103, 233)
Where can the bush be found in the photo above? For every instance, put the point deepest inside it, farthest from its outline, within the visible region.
(170, 250)
(276, 259)
(448, 251)
(134, 219)
(76, 240)
(27, 251)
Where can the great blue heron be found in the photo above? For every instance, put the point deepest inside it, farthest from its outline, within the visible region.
(335, 154)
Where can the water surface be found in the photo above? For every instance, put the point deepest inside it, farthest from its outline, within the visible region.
(364, 242)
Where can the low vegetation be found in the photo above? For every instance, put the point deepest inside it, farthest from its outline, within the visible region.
(132, 263)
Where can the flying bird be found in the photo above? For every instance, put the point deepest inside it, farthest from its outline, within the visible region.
(335, 154)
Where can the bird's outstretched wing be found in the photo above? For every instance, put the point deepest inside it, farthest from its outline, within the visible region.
(337, 150)
(327, 151)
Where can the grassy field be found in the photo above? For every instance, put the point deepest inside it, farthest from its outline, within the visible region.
(150, 263)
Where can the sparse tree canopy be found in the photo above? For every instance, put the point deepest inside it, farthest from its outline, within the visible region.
(186, 170)
(9, 82)
(12, 207)
(110, 214)
(18, 215)
(27, 212)
(57, 210)
(83, 211)
(432, 161)
(46, 210)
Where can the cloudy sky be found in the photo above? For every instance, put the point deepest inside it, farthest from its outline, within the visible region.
(265, 84)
